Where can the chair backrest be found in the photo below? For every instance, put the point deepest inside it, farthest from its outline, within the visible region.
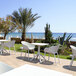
(27, 45)
(24, 45)
(10, 43)
(54, 49)
(46, 49)
(73, 50)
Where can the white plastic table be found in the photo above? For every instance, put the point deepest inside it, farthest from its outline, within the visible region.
(2, 47)
(38, 54)
(30, 70)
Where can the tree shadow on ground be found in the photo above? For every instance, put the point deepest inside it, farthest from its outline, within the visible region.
(72, 68)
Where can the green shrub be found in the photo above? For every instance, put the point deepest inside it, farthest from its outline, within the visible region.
(54, 41)
(38, 41)
(64, 50)
(48, 34)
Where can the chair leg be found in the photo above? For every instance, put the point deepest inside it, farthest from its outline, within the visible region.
(1, 52)
(55, 59)
(44, 56)
(28, 54)
(14, 50)
(9, 51)
(25, 54)
(49, 57)
(72, 61)
(21, 53)
(58, 58)
(34, 54)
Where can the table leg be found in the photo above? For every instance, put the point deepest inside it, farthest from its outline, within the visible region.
(38, 55)
(39, 52)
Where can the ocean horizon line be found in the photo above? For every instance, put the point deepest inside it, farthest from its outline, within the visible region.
(37, 35)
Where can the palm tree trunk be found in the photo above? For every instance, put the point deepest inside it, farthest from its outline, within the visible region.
(23, 34)
(5, 35)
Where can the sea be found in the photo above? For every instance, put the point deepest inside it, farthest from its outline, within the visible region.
(38, 35)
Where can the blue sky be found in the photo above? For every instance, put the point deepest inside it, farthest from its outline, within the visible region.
(60, 14)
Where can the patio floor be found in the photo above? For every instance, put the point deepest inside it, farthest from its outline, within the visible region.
(15, 60)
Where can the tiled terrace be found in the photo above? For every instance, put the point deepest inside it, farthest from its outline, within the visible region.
(17, 61)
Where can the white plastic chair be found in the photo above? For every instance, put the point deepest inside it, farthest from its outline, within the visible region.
(73, 53)
(52, 50)
(27, 46)
(2, 48)
(9, 45)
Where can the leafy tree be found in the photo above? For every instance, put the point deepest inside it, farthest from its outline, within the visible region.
(24, 19)
(48, 34)
(6, 26)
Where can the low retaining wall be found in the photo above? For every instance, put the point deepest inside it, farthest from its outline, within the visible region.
(1, 38)
(18, 40)
(72, 42)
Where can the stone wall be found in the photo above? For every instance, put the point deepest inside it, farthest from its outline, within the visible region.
(18, 40)
(1, 38)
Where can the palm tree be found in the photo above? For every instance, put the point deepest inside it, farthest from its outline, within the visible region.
(24, 19)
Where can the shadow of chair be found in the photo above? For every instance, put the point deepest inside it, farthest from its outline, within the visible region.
(24, 58)
(72, 68)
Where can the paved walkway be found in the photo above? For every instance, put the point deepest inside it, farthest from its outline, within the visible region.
(17, 61)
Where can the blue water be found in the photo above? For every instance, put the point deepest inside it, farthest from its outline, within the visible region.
(39, 35)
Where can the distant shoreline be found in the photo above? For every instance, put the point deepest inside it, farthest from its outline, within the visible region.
(39, 35)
